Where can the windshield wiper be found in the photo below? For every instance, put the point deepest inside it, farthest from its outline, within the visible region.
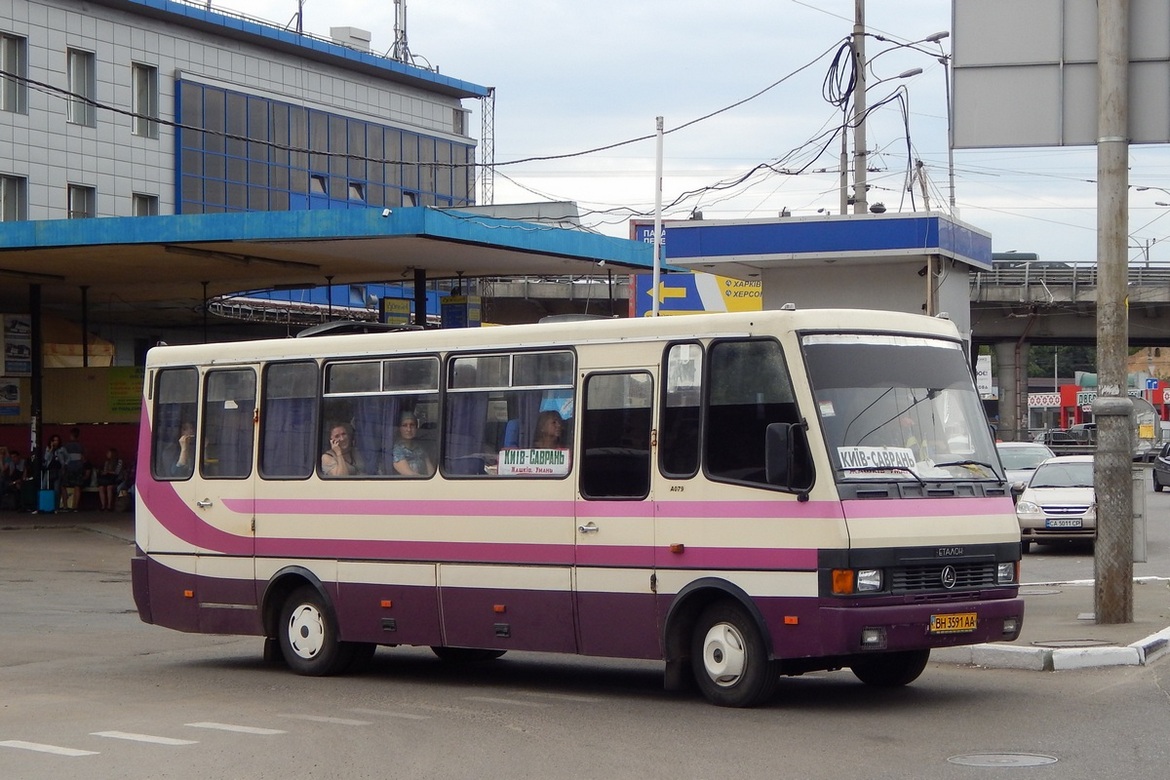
(891, 467)
(987, 466)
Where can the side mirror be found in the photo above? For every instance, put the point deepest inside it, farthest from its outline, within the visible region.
(787, 460)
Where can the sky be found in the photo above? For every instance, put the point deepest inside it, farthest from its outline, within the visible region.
(743, 88)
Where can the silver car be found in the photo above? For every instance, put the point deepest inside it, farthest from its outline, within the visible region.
(1020, 459)
(1059, 504)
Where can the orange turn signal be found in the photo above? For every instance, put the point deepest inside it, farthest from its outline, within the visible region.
(387, 603)
(188, 594)
(842, 582)
(500, 608)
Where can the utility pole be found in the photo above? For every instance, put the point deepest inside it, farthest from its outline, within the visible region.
(860, 204)
(1113, 553)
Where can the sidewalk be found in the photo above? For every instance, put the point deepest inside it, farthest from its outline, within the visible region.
(1059, 630)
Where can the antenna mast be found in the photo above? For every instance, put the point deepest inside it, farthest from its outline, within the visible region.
(401, 50)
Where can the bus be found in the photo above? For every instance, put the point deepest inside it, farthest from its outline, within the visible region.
(740, 496)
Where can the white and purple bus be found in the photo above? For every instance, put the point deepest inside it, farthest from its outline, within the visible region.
(742, 496)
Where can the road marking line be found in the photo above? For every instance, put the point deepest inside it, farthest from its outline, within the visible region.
(325, 719)
(233, 727)
(143, 738)
(495, 700)
(60, 751)
(387, 714)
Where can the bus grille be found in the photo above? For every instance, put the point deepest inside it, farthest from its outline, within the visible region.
(968, 576)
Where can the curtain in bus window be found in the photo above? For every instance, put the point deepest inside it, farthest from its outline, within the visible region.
(288, 438)
(289, 422)
(375, 421)
(464, 448)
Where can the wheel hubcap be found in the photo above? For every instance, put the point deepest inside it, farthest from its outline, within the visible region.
(306, 631)
(724, 655)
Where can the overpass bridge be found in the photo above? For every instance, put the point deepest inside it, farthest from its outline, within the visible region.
(1054, 304)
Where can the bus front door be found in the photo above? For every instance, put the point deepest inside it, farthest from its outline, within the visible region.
(615, 518)
(222, 494)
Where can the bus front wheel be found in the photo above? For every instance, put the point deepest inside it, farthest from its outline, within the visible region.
(891, 670)
(729, 658)
(308, 635)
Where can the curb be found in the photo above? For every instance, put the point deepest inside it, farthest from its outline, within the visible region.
(1048, 659)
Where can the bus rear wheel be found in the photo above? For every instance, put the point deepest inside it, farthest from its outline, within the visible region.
(891, 670)
(308, 635)
(729, 658)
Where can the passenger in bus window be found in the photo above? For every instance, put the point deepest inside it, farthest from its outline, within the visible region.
(341, 459)
(410, 457)
(550, 431)
(183, 464)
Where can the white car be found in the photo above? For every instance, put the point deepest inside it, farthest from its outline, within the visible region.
(1020, 459)
(1059, 504)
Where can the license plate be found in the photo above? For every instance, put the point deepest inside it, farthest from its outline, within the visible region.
(1062, 522)
(954, 623)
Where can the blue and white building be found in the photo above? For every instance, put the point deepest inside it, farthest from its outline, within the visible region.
(113, 108)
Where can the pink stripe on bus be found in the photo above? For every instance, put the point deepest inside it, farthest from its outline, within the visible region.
(715, 510)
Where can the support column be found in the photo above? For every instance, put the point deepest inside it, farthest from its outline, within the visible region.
(1007, 375)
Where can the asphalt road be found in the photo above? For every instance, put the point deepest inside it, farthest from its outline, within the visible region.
(88, 691)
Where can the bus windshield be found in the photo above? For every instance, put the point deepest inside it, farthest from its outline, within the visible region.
(899, 407)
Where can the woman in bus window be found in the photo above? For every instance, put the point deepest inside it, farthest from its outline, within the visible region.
(410, 457)
(550, 431)
(341, 459)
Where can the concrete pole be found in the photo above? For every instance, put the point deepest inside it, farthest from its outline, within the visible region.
(860, 164)
(1113, 556)
(1006, 373)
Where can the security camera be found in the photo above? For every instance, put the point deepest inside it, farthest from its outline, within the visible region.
(386, 212)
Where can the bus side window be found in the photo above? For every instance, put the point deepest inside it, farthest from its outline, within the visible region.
(749, 388)
(615, 436)
(176, 400)
(229, 405)
(288, 434)
(678, 452)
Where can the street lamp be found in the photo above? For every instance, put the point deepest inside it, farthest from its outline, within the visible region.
(945, 60)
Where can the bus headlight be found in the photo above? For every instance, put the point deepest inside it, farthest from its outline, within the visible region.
(1005, 573)
(869, 580)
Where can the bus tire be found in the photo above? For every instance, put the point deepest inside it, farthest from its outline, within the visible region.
(308, 635)
(729, 658)
(891, 670)
(465, 655)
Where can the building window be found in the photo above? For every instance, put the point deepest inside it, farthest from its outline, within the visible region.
(14, 63)
(82, 87)
(82, 202)
(145, 205)
(145, 106)
(357, 191)
(12, 199)
(318, 185)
